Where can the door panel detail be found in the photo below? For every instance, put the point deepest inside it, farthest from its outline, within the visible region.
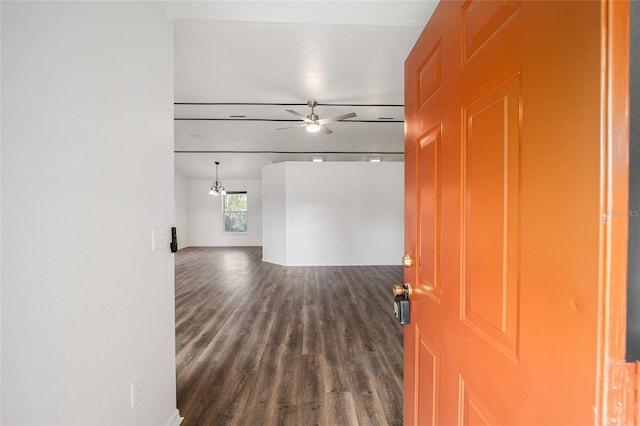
(429, 207)
(518, 307)
(430, 74)
(481, 20)
(428, 369)
(472, 410)
(491, 161)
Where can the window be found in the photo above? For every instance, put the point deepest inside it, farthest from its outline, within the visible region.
(235, 212)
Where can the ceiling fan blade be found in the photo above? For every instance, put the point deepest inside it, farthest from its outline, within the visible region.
(297, 114)
(336, 118)
(292, 127)
(326, 130)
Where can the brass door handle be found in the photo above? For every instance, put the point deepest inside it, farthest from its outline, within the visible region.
(402, 289)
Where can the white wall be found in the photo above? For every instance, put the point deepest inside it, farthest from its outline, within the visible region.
(87, 141)
(181, 197)
(205, 214)
(0, 221)
(340, 213)
(274, 231)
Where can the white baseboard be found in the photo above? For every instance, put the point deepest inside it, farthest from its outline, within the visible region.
(174, 418)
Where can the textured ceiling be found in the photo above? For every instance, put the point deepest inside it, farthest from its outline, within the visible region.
(250, 61)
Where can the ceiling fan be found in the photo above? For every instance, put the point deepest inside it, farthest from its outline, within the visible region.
(313, 123)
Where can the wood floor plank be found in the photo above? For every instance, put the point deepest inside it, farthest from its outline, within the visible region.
(263, 344)
(341, 410)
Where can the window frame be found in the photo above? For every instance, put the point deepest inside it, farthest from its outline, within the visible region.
(225, 211)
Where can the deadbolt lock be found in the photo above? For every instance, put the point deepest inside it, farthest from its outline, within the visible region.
(401, 307)
(407, 261)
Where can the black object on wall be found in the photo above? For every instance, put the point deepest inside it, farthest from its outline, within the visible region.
(174, 240)
(633, 268)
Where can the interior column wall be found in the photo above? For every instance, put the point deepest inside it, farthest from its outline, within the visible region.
(274, 214)
(337, 213)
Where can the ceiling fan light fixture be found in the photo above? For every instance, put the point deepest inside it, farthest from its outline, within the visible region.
(313, 127)
(313, 123)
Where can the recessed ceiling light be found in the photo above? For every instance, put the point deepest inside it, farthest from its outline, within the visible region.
(318, 159)
(375, 159)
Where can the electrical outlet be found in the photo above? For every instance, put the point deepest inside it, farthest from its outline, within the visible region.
(136, 392)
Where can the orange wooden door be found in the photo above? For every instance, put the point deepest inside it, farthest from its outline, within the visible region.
(513, 214)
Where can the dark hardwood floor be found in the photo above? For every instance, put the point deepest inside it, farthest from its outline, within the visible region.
(262, 344)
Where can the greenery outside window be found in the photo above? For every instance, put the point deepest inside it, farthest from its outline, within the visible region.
(235, 212)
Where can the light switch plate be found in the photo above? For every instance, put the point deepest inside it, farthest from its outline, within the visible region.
(159, 239)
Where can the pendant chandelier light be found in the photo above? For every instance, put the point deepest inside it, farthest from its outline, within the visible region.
(217, 188)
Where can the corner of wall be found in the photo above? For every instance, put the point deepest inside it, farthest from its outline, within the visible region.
(174, 418)
(181, 207)
(1, 422)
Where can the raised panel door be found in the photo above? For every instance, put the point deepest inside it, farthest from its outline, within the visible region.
(509, 162)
